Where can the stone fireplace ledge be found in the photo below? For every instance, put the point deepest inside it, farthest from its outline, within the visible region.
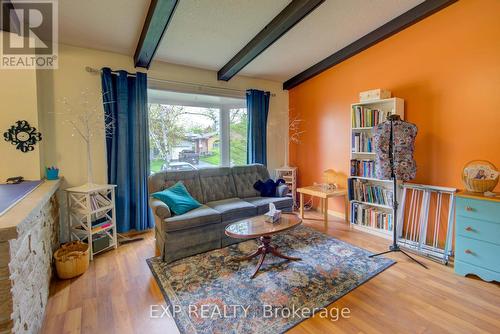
(28, 236)
(26, 210)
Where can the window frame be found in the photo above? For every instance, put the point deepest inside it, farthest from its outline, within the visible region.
(224, 118)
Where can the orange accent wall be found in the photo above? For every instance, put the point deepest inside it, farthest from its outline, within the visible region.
(446, 68)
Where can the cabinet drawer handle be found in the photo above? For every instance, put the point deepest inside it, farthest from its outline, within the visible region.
(468, 228)
(469, 208)
(468, 251)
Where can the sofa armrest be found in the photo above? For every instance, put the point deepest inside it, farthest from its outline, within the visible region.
(282, 190)
(160, 208)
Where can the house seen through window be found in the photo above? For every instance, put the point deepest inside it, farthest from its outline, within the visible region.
(191, 131)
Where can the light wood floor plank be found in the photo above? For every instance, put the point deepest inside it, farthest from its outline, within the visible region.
(116, 293)
(73, 321)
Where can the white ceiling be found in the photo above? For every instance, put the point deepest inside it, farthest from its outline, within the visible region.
(331, 27)
(208, 33)
(110, 25)
(207, 36)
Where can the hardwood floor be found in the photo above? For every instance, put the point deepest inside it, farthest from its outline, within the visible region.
(115, 294)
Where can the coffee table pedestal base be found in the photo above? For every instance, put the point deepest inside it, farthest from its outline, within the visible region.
(265, 248)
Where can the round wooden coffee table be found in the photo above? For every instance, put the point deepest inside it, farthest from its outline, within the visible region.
(257, 227)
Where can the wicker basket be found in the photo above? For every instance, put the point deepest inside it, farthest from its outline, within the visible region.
(72, 259)
(479, 185)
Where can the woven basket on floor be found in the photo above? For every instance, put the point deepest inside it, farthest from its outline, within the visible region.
(479, 185)
(72, 259)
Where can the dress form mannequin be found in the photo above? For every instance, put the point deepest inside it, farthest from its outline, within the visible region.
(394, 144)
(404, 134)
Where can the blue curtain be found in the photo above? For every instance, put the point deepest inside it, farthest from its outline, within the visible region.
(126, 106)
(258, 109)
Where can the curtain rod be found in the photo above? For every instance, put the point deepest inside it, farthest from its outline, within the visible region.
(96, 71)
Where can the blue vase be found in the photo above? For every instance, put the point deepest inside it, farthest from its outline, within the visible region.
(51, 174)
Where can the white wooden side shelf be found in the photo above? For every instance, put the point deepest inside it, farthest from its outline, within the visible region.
(92, 216)
(289, 174)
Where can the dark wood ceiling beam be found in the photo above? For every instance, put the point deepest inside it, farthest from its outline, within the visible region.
(284, 21)
(159, 15)
(392, 27)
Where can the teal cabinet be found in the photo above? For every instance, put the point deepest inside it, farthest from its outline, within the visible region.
(477, 236)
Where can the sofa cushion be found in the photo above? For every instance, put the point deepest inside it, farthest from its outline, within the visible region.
(246, 176)
(217, 183)
(233, 208)
(194, 218)
(165, 179)
(262, 203)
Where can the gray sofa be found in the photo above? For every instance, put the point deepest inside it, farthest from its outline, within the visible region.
(227, 195)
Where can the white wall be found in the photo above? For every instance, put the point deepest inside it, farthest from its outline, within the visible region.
(18, 101)
(68, 152)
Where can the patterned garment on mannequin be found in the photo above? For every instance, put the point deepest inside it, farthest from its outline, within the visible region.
(405, 166)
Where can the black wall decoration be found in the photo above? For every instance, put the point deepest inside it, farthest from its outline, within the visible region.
(23, 136)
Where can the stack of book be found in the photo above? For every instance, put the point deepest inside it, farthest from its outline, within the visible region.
(362, 142)
(101, 226)
(98, 225)
(365, 192)
(367, 216)
(363, 117)
(98, 201)
(365, 168)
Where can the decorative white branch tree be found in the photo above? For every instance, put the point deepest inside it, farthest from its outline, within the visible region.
(294, 134)
(87, 120)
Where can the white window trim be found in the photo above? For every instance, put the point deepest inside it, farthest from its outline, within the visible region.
(224, 118)
(224, 135)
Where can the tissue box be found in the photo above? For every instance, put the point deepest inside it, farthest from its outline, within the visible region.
(374, 94)
(273, 217)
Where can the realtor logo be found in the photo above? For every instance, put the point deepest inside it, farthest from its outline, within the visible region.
(29, 37)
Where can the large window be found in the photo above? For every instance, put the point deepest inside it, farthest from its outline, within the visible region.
(190, 131)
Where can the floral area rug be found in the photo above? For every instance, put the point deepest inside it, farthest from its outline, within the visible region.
(213, 293)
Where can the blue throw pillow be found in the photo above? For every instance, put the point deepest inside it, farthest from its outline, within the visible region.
(177, 198)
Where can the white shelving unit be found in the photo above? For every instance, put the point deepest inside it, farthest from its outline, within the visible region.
(392, 105)
(91, 215)
(289, 174)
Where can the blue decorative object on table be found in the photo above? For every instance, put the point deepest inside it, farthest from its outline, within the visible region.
(52, 173)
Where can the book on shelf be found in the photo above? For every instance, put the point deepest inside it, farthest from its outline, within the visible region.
(364, 215)
(97, 226)
(101, 227)
(362, 142)
(364, 168)
(98, 200)
(365, 192)
(363, 117)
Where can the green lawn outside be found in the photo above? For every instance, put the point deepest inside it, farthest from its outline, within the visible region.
(238, 154)
(213, 159)
(156, 165)
(238, 150)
